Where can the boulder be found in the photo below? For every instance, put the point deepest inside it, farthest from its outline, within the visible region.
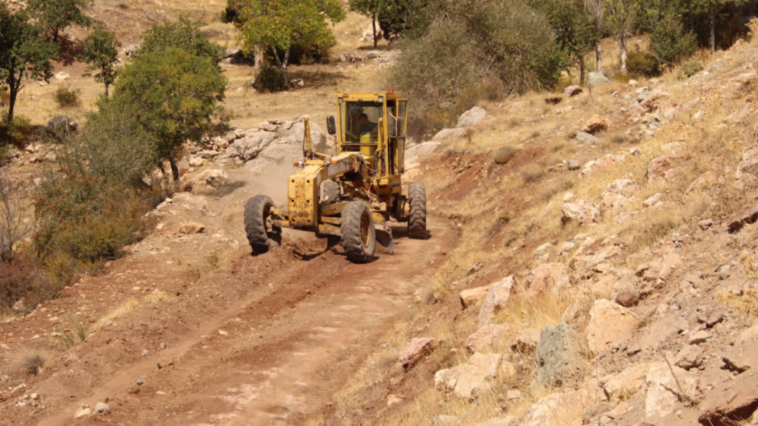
(469, 380)
(748, 164)
(622, 386)
(663, 395)
(473, 296)
(595, 124)
(584, 137)
(557, 409)
(250, 146)
(504, 154)
(191, 228)
(60, 75)
(572, 91)
(595, 79)
(610, 323)
(746, 215)
(573, 165)
(82, 412)
(415, 350)
(580, 211)
(690, 356)
(471, 117)
(449, 134)
(558, 358)
(732, 402)
(61, 127)
(546, 277)
(421, 150)
(660, 168)
(102, 408)
(527, 341)
(490, 338)
(498, 296)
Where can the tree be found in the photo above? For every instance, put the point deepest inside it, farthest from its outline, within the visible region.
(12, 226)
(370, 8)
(24, 53)
(574, 32)
(278, 25)
(669, 43)
(56, 15)
(101, 53)
(176, 94)
(595, 10)
(621, 17)
(183, 34)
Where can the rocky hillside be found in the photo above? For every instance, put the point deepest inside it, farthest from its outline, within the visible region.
(606, 270)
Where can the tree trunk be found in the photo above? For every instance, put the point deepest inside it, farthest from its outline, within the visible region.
(373, 25)
(581, 71)
(713, 27)
(258, 53)
(284, 67)
(12, 103)
(598, 55)
(622, 46)
(55, 35)
(106, 90)
(174, 171)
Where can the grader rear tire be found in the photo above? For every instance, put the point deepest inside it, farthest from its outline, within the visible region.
(417, 214)
(260, 233)
(358, 233)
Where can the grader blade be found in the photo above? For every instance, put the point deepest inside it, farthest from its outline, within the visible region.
(384, 237)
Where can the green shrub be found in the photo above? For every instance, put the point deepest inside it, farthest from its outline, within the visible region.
(669, 43)
(270, 79)
(482, 50)
(96, 204)
(19, 132)
(642, 63)
(67, 97)
(24, 278)
(689, 68)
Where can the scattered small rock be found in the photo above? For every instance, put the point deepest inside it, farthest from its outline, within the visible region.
(191, 228)
(504, 154)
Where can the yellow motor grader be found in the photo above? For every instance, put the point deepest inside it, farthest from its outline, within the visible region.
(353, 194)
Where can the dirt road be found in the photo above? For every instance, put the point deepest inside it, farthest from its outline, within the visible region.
(205, 334)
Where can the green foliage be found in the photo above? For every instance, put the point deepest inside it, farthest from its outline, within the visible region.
(270, 79)
(67, 97)
(503, 45)
(393, 18)
(689, 68)
(642, 63)
(183, 34)
(95, 204)
(669, 42)
(56, 15)
(279, 25)
(575, 32)
(101, 55)
(370, 8)
(176, 95)
(24, 53)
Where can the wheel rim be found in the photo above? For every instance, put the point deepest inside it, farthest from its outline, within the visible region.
(365, 234)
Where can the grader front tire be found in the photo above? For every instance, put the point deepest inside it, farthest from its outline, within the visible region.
(260, 233)
(417, 214)
(358, 233)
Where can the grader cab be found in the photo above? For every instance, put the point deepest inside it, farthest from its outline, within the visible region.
(354, 194)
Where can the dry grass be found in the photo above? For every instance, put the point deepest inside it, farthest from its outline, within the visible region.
(123, 309)
(32, 363)
(743, 301)
(545, 309)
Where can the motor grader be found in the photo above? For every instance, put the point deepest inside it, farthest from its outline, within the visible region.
(355, 194)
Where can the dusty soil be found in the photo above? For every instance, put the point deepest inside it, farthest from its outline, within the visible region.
(214, 335)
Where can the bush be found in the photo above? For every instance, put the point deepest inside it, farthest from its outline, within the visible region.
(485, 51)
(689, 68)
(67, 97)
(642, 63)
(270, 79)
(95, 205)
(669, 43)
(19, 132)
(24, 278)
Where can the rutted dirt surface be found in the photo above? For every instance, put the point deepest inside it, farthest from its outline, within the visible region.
(245, 340)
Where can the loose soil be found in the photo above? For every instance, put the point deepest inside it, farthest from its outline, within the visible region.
(193, 330)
